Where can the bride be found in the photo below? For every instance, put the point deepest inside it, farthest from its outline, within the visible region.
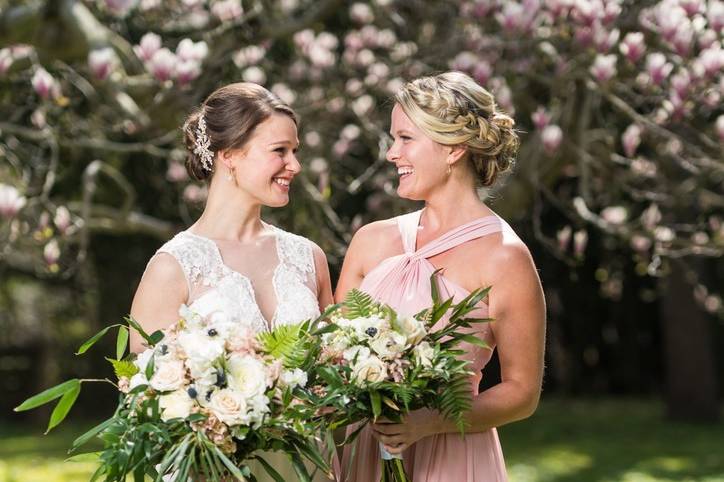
(242, 140)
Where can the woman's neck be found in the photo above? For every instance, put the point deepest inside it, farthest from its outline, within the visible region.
(452, 206)
(229, 215)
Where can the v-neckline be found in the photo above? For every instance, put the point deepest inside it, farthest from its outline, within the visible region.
(252, 292)
(416, 231)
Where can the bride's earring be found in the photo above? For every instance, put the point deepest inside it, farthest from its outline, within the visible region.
(231, 175)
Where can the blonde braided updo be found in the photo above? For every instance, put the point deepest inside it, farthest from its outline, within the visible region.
(452, 109)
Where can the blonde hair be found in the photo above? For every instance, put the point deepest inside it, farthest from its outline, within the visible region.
(452, 109)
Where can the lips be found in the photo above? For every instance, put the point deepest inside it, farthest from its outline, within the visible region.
(403, 171)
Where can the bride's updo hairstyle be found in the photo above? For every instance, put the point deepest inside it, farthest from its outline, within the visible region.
(226, 120)
(453, 110)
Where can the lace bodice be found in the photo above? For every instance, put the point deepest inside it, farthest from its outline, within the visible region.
(214, 287)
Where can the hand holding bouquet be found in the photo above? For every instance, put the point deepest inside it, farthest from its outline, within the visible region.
(375, 362)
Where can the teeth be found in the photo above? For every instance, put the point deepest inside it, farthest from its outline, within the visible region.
(401, 171)
(281, 182)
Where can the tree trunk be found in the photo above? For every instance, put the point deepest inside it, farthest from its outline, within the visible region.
(691, 378)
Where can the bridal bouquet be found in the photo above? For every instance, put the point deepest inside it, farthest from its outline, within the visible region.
(205, 397)
(375, 362)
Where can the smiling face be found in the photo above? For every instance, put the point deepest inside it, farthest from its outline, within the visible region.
(266, 166)
(421, 162)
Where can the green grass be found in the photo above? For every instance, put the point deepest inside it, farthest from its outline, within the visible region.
(565, 441)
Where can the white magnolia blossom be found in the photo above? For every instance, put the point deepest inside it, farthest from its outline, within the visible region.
(10, 201)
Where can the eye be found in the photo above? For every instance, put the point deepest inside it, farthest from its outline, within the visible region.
(405, 138)
(280, 150)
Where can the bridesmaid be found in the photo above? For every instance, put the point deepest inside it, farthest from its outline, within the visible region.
(449, 140)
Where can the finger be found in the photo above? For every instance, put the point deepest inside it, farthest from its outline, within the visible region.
(387, 428)
(384, 420)
(393, 440)
(396, 450)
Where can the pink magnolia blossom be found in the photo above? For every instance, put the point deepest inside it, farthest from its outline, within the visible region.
(615, 215)
(631, 139)
(102, 62)
(464, 61)
(250, 55)
(10, 201)
(541, 118)
(681, 82)
(657, 67)
(187, 49)
(558, 8)
(478, 8)
(551, 136)
(51, 252)
(712, 60)
(691, 7)
(580, 240)
(715, 15)
(482, 72)
(44, 84)
(163, 64)
(149, 45)
(683, 39)
(707, 39)
(254, 74)
(564, 237)
(176, 172)
(186, 71)
(361, 13)
(604, 39)
(604, 67)
(640, 243)
(633, 46)
(226, 10)
(6, 60)
(518, 18)
(120, 8)
(284, 92)
(719, 126)
(651, 217)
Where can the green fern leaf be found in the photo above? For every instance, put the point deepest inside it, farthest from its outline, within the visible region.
(123, 368)
(286, 342)
(358, 304)
(456, 400)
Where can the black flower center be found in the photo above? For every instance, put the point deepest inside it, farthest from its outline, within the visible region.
(371, 331)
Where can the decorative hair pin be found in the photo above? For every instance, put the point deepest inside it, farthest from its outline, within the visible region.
(201, 145)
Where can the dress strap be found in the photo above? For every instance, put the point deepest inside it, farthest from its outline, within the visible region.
(462, 234)
(199, 258)
(407, 224)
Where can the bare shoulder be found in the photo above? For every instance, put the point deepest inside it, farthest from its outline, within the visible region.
(508, 251)
(164, 269)
(376, 241)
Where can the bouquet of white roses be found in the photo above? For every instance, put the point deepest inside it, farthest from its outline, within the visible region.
(376, 362)
(205, 397)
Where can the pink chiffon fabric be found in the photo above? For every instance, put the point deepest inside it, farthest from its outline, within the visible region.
(403, 282)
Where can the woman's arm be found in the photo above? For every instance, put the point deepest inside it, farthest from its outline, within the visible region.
(517, 306)
(160, 293)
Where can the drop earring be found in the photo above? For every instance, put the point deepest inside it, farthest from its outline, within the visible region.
(449, 169)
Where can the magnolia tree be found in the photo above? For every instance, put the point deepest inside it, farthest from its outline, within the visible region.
(618, 103)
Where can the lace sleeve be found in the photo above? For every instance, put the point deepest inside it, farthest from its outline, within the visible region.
(196, 259)
(296, 252)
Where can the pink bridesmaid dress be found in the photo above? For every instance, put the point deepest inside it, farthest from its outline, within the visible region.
(403, 282)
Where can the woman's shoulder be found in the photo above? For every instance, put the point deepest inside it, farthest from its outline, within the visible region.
(504, 249)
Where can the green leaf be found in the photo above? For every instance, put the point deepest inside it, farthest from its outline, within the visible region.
(270, 470)
(434, 291)
(92, 340)
(63, 407)
(376, 403)
(229, 464)
(136, 326)
(473, 340)
(286, 343)
(358, 304)
(91, 433)
(300, 469)
(48, 395)
(150, 368)
(155, 337)
(121, 342)
(123, 368)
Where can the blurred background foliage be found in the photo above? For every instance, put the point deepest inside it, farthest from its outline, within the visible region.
(617, 188)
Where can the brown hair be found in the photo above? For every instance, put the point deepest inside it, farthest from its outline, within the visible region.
(452, 109)
(231, 112)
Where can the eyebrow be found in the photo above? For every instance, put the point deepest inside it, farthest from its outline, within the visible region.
(401, 131)
(285, 142)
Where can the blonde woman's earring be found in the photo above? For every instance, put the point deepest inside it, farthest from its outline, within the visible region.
(449, 169)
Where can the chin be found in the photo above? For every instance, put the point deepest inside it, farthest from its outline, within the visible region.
(409, 194)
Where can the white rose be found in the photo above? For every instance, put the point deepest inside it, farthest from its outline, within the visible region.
(229, 406)
(293, 378)
(143, 358)
(413, 329)
(192, 318)
(337, 341)
(201, 350)
(389, 344)
(176, 404)
(169, 375)
(258, 407)
(136, 380)
(356, 353)
(369, 327)
(424, 354)
(247, 374)
(370, 370)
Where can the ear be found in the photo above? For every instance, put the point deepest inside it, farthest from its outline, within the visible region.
(227, 157)
(456, 153)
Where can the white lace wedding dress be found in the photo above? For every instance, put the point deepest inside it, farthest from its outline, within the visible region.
(284, 279)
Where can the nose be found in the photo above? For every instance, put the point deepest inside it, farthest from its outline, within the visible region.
(393, 152)
(293, 164)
